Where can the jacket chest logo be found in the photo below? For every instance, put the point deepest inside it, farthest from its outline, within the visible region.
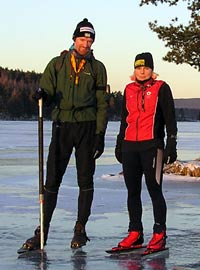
(148, 93)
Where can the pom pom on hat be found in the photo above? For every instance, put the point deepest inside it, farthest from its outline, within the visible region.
(84, 29)
(144, 59)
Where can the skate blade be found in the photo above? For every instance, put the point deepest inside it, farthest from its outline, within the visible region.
(78, 252)
(36, 254)
(151, 252)
(25, 248)
(118, 249)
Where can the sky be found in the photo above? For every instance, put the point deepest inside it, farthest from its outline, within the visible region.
(32, 32)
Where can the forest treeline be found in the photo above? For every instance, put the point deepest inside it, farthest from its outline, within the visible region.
(17, 88)
(16, 103)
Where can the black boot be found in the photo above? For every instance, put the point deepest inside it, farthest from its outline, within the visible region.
(80, 238)
(33, 243)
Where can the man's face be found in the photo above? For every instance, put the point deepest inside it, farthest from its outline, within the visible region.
(83, 45)
(143, 73)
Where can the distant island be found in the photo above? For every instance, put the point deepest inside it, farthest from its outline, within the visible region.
(187, 109)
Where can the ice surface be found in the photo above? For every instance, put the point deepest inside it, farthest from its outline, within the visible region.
(109, 219)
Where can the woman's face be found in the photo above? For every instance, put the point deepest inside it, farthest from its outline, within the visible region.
(143, 73)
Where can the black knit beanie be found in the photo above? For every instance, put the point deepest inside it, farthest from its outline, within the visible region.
(84, 29)
(144, 59)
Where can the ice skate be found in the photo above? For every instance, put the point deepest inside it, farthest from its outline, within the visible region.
(133, 238)
(33, 243)
(157, 243)
(80, 238)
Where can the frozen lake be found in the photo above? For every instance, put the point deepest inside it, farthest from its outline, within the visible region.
(109, 219)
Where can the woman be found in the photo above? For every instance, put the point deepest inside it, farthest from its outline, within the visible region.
(147, 110)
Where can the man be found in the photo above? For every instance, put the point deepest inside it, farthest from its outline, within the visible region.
(147, 109)
(76, 83)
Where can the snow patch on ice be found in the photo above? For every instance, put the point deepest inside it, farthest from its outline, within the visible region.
(191, 168)
(178, 171)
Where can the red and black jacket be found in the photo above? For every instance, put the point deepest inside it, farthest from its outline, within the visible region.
(147, 110)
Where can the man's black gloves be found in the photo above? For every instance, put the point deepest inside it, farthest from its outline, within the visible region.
(98, 145)
(39, 93)
(170, 153)
(118, 149)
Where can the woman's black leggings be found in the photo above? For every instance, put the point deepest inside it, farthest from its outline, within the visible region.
(149, 163)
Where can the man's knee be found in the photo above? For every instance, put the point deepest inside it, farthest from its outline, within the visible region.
(85, 184)
(51, 189)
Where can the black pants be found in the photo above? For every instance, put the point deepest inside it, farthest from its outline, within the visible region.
(65, 137)
(149, 163)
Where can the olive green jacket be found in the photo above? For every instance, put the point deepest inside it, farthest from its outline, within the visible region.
(86, 101)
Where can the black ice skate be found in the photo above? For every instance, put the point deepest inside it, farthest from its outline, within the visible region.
(80, 238)
(33, 243)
